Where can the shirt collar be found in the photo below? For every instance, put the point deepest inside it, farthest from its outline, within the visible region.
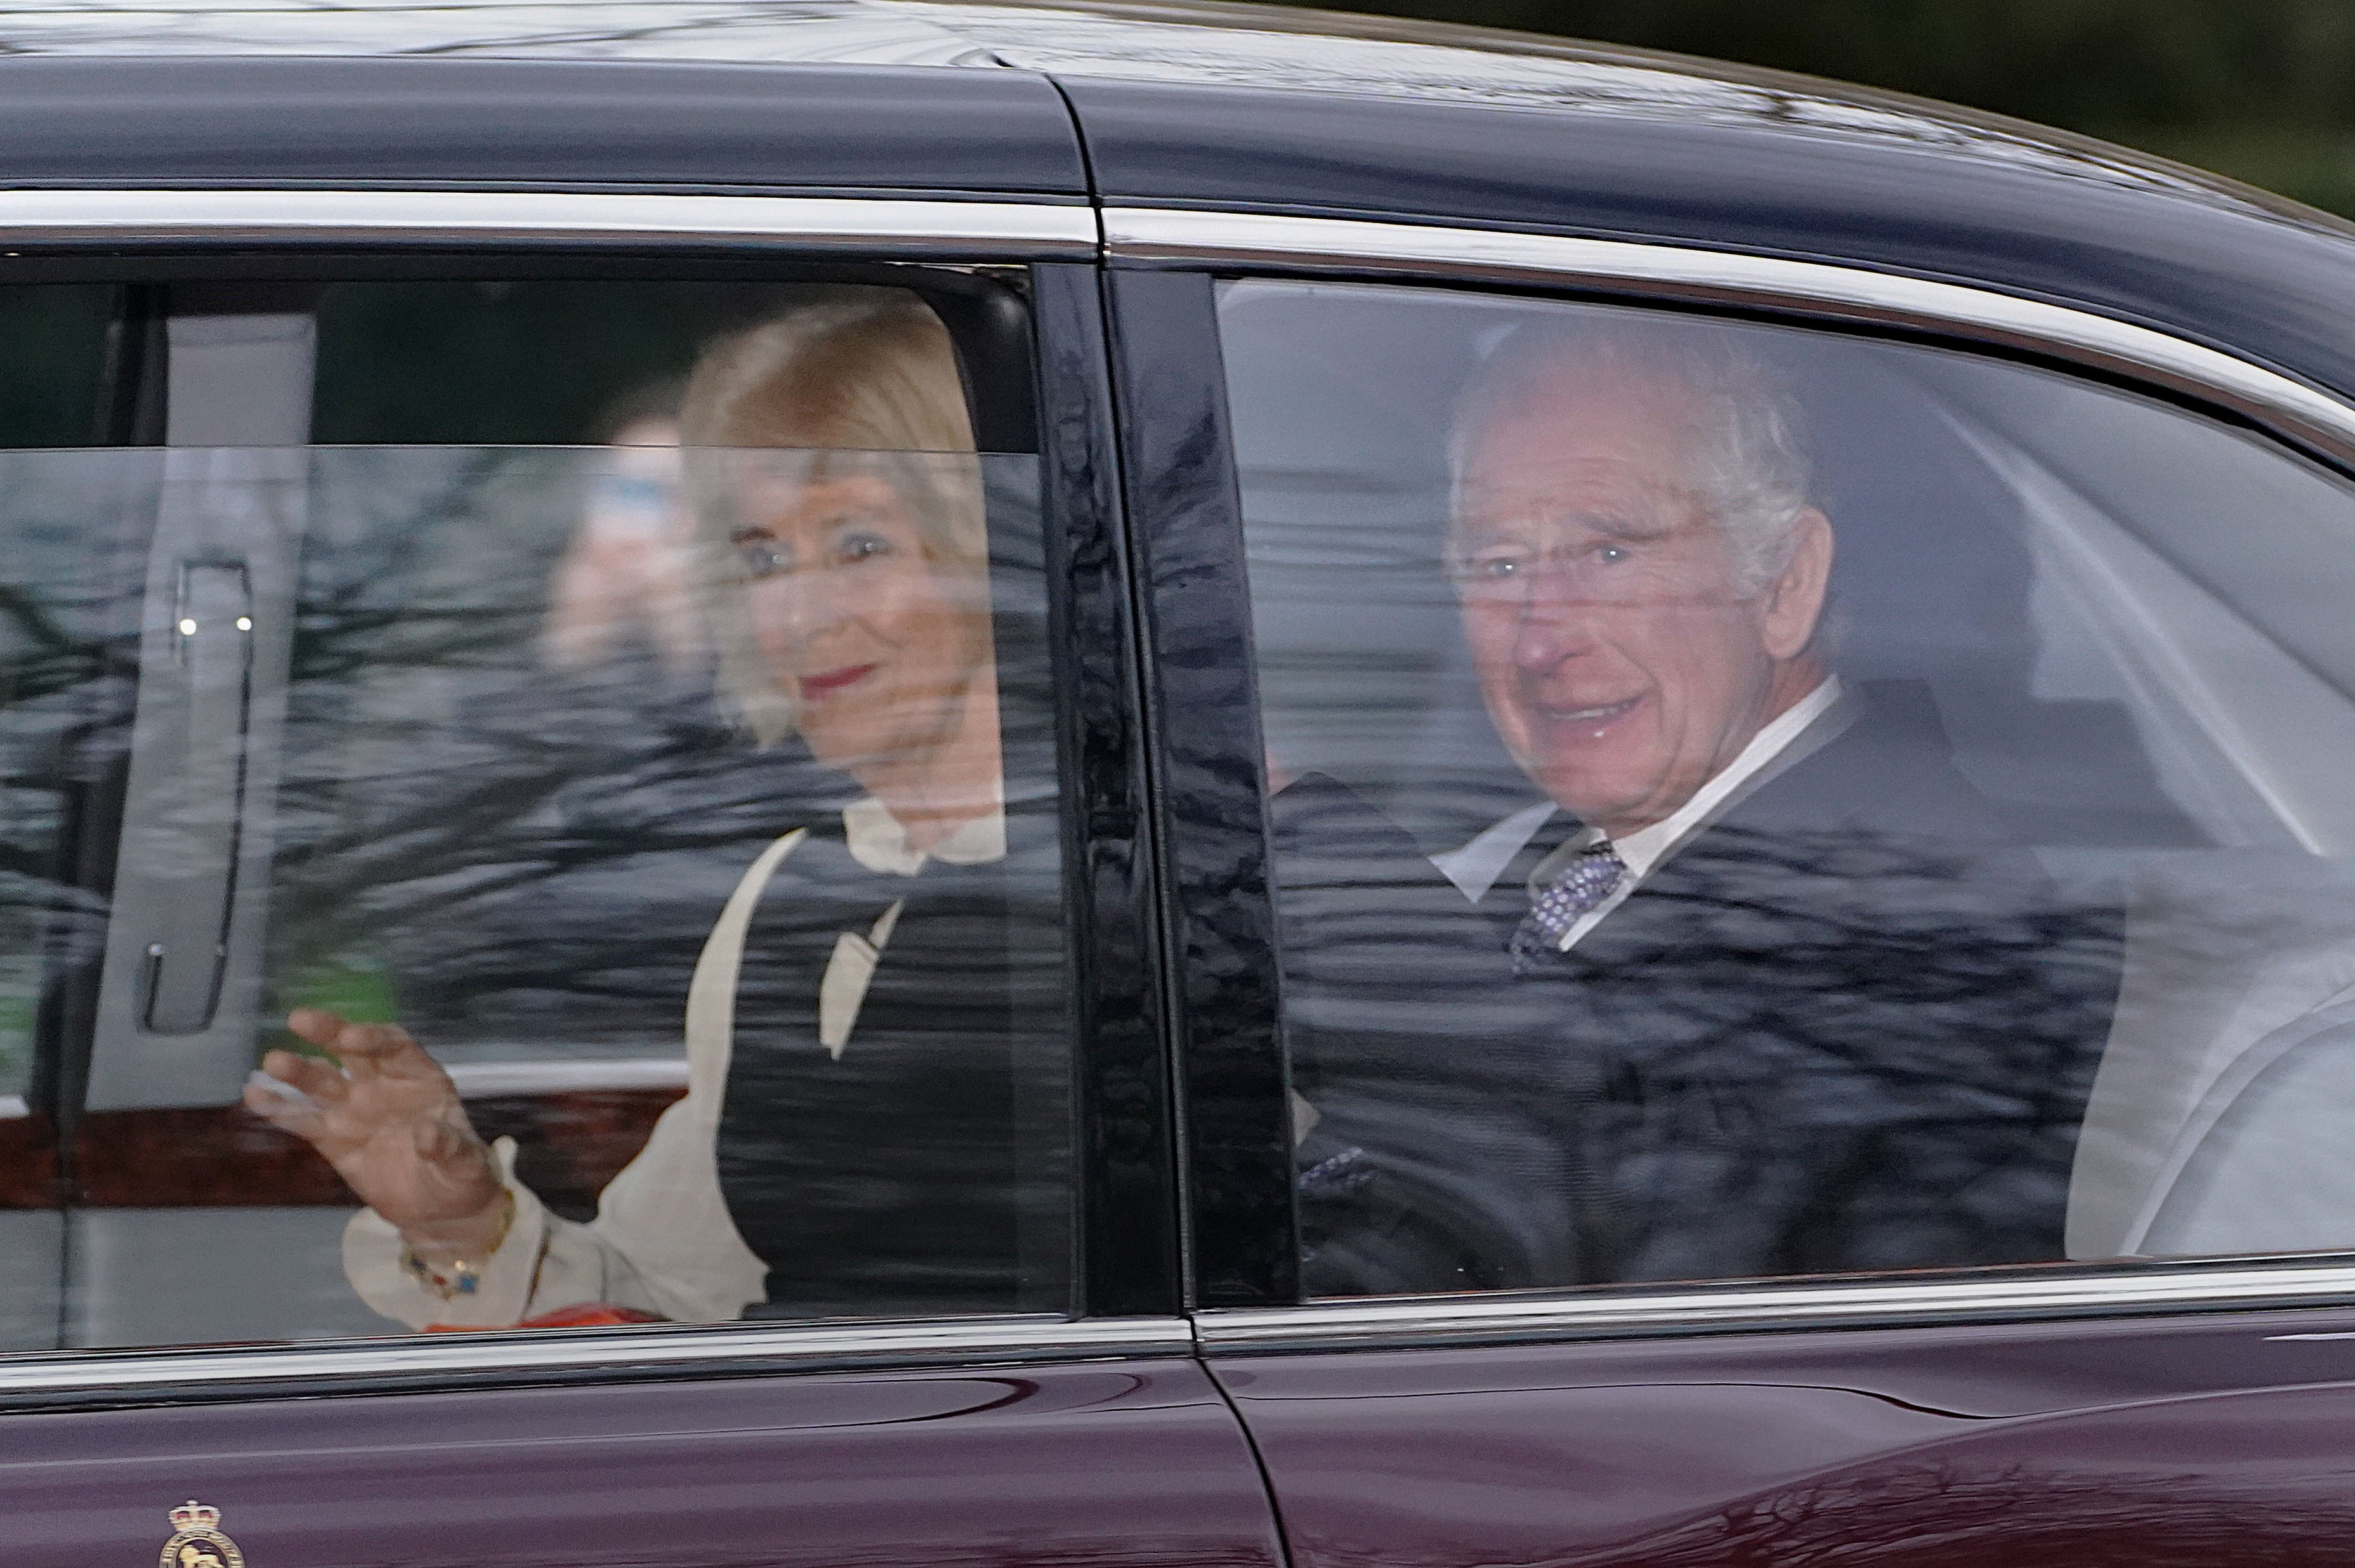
(1646, 847)
(879, 843)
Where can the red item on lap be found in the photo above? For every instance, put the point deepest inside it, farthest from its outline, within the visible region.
(588, 1315)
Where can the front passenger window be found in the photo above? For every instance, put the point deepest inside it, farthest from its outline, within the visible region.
(1752, 802)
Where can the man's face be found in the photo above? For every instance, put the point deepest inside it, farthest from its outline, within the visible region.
(1618, 658)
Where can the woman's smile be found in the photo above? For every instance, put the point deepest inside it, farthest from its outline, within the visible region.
(825, 683)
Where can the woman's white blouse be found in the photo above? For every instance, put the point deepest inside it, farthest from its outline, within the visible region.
(662, 1241)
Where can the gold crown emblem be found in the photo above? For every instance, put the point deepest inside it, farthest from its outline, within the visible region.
(193, 1515)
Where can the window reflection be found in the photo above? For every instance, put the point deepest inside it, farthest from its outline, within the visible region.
(1747, 800)
(722, 904)
(626, 583)
(859, 922)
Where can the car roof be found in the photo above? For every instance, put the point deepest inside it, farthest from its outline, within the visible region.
(1195, 104)
(1202, 43)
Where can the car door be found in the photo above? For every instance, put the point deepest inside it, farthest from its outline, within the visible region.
(1735, 1255)
(377, 649)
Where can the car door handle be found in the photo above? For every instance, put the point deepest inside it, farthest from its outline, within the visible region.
(187, 943)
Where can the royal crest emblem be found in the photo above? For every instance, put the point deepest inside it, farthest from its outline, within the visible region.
(197, 1541)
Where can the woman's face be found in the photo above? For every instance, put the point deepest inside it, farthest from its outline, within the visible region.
(878, 641)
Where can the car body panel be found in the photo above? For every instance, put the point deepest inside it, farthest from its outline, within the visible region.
(411, 122)
(1204, 105)
(1120, 1461)
(2162, 1442)
(2185, 261)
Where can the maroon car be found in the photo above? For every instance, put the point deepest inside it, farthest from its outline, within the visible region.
(924, 783)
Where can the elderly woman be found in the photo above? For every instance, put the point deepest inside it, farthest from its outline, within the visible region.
(872, 1031)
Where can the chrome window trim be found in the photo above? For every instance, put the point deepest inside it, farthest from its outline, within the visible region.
(1012, 228)
(51, 1380)
(2292, 408)
(1752, 1308)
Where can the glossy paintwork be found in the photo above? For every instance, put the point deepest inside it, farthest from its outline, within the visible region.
(1204, 105)
(2226, 274)
(1116, 1462)
(1224, 106)
(2187, 1442)
(1186, 519)
(405, 122)
(1129, 1223)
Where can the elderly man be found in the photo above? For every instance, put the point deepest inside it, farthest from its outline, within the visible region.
(1764, 987)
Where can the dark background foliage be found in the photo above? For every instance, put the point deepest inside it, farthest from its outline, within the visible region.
(2263, 91)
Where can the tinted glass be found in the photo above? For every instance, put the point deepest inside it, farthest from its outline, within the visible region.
(69, 569)
(657, 728)
(1756, 803)
(72, 574)
(58, 343)
(513, 363)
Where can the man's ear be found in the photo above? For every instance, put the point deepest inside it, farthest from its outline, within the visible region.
(1795, 600)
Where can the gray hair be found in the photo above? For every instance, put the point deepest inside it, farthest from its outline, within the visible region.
(1747, 443)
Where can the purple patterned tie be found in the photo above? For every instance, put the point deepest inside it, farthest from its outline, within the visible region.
(1584, 884)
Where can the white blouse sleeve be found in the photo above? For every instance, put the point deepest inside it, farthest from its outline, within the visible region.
(662, 1241)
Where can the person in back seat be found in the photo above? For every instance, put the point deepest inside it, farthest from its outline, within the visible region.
(874, 1030)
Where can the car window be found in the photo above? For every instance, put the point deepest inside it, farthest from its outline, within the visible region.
(1749, 802)
(637, 694)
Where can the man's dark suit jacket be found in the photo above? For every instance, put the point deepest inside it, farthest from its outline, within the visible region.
(1849, 1025)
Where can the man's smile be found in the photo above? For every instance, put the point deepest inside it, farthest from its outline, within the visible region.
(1593, 717)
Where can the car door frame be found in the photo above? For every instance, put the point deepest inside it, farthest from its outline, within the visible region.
(1186, 518)
(1129, 1297)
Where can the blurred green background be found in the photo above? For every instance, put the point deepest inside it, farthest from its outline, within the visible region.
(2263, 91)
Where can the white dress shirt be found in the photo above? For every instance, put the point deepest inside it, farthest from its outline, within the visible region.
(662, 1241)
(1474, 867)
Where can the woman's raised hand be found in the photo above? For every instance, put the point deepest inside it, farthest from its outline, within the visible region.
(391, 1123)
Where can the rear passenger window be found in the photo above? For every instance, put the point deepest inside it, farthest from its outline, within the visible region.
(612, 720)
(1751, 802)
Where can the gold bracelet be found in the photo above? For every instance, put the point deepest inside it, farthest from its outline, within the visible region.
(460, 1277)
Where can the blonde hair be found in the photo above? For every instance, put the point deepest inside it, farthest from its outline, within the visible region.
(870, 371)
